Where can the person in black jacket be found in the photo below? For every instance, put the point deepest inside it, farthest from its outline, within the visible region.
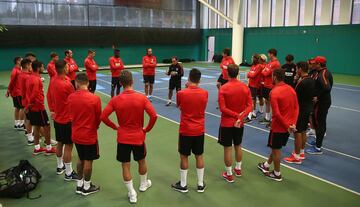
(323, 85)
(290, 70)
(175, 72)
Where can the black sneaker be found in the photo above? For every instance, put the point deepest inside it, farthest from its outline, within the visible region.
(16, 127)
(79, 190)
(30, 142)
(179, 188)
(22, 128)
(60, 171)
(91, 190)
(168, 103)
(201, 189)
(247, 120)
(72, 177)
(272, 176)
(268, 125)
(264, 121)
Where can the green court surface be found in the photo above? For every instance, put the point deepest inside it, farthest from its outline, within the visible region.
(253, 189)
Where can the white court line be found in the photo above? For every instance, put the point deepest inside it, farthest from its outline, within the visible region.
(256, 154)
(343, 84)
(346, 89)
(264, 130)
(344, 108)
(167, 88)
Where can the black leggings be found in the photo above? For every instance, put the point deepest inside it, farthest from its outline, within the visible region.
(320, 115)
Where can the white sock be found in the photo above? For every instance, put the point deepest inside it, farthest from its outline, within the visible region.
(129, 186)
(200, 175)
(266, 164)
(22, 122)
(277, 173)
(228, 170)
(238, 165)
(254, 112)
(30, 137)
(267, 116)
(37, 147)
(87, 184)
(297, 156)
(16, 122)
(261, 109)
(183, 177)
(302, 151)
(68, 168)
(169, 100)
(143, 179)
(59, 161)
(48, 147)
(80, 183)
(249, 116)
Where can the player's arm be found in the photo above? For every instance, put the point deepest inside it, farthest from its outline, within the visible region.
(266, 71)
(296, 111)
(324, 80)
(105, 116)
(248, 105)
(90, 66)
(35, 89)
(49, 98)
(223, 107)
(276, 112)
(153, 64)
(75, 66)
(144, 63)
(121, 67)
(13, 78)
(181, 71)
(152, 115)
(98, 112)
(112, 65)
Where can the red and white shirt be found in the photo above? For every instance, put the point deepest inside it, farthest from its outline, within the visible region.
(51, 69)
(254, 76)
(149, 65)
(14, 85)
(268, 71)
(35, 93)
(91, 68)
(72, 66)
(226, 61)
(116, 66)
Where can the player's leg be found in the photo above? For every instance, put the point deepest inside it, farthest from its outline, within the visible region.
(88, 188)
(226, 140)
(80, 171)
(184, 149)
(198, 150)
(237, 136)
(170, 94)
(113, 86)
(151, 88)
(123, 156)
(118, 86)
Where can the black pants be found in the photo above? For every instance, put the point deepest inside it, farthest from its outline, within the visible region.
(92, 86)
(115, 84)
(320, 114)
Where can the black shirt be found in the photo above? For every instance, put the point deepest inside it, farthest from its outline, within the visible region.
(323, 85)
(305, 91)
(178, 69)
(290, 72)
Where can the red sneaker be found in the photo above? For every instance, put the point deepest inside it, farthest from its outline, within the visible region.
(51, 151)
(228, 178)
(237, 172)
(40, 150)
(302, 156)
(292, 159)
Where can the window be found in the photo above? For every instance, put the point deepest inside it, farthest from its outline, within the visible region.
(356, 12)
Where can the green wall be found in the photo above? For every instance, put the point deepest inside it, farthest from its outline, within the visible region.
(338, 43)
(130, 54)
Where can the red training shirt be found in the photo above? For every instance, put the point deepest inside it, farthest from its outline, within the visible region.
(234, 97)
(116, 66)
(72, 66)
(149, 64)
(192, 103)
(129, 107)
(51, 69)
(59, 90)
(14, 85)
(284, 104)
(35, 93)
(91, 68)
(268, 70)
(254, 76)
(23, 77)
(84, 109)
(225, 62)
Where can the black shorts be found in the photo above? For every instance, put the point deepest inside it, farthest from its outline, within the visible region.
(254, 92)
(115, 82)
(188, 144)
(38, 118)
(277, 140)
(124, 152)
(149, 79)
(92, 85)
(266, 92)
(17, 101)
(73, 83)
(88, 152)
(175, 84)
(230, 135)
(27, 115)
(303, 119)
(221, 80)
(63, 132)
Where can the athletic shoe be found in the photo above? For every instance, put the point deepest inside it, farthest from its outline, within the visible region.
(312, 143)
(177, 187)
(72, 177)
(247, 120)
(268, 125)
(201, 188)
(292, 159)
(51, 151)
(264, 121)
(272, 176)
(302, 156)
(16, 127)
(22, 128)
(228, 178)
(52, 142)
(60, 171)
(237, 172)
(42, 79)
(79, 190)
(311, 133)
(30, 142)
(314, 151)
(144, 187)
(40, 150)
(132, 197)
(168, 103)
(262, 167)
(91, 190)
(253, 116)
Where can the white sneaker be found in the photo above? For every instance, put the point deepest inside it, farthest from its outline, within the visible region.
(145, 186)
(311, 133)
(132, 197)
(53, 142)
